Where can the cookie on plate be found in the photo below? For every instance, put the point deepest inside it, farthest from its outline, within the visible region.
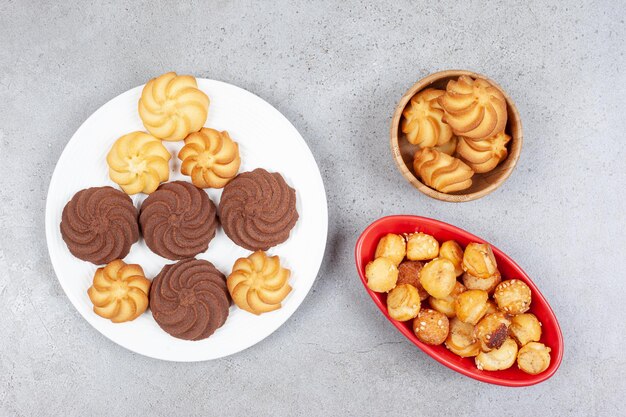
(99, 225)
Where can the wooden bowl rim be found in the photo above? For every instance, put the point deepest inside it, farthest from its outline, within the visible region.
(508, 165)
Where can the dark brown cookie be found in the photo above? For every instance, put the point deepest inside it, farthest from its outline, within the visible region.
(189, 299)
(258, 210)
(178, 220)
(99, 225)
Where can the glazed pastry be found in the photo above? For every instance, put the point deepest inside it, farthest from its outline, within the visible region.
(492, 330)
(258, 283)
(409, 273)
(447, 305)
(453, 252)
(471, 306)
(513, 296)
(483, 155)
(525, 328)
(442, 172)
(473, 108)
(422, 120)
(485, 284)
(431, 327)
(403, 302)
(138, 162)
(381, 274)
(119, 291)
(99, 225)
(438, 278)
(258, 210)
(391, 246)
(461, 340)
(189, 299)
(478, 260)
(498, 359)
(178, 220)
(171, 106)
(449, 148)
(421, 247)
(210, 157)
(534, 358)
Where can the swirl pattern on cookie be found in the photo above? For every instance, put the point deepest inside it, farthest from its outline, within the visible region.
(171, 106)
(210, 157)
(99, 225)
(178, 220)
(422, 120)
(189, 299)
(483, 155)
(442, 172)
(474, 109)
(138, 162)
(258, 283)
(119, 291)
(258, 210)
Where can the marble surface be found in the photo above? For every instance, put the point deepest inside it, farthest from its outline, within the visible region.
(336, 70)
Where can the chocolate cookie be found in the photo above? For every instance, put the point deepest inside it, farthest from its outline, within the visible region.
(258, 210)
(189, 299)
(178, 220)
(99, 225)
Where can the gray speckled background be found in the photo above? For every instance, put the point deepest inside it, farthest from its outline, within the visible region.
(336, 71)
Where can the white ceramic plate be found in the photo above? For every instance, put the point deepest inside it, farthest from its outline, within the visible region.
(266, 139)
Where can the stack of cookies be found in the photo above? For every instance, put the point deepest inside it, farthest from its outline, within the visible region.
(460, 132)
(191, 298)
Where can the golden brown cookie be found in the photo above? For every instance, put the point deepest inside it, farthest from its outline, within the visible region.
(421, 247)
(438, 277)
(492, 330)
(210, 157)
(381, 274)
(258, 283)
(453, 252)
(479, 261)
(171, 106)
(461, 340)
(498, 359)
(534, 358)
(473, 108)
(138, 162)
(447, 305)
(403, 302)
(525, 328)
(471, 306)
(485, 284)
(391, 246)
(513, 296)
(449, 147)
(483, 155)
(422, 120)
(409, 273)
(442, 172)
(119, 291)
(431, 327)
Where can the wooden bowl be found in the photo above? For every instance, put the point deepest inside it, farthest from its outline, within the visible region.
(482, 184)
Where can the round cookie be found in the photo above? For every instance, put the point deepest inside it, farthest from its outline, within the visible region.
(99, 225)
(258, 210)
(189, 299)
(178, 220)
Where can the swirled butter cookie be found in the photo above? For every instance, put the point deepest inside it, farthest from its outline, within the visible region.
(178, 220)
(258, 210)
(189, 299)
(210, 158)
(442, 172)
(422, 120)
(99, 225)
(483, 155)
(171, 106)
(138, 162)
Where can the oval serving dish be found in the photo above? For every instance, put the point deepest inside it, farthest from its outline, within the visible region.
(512, 377)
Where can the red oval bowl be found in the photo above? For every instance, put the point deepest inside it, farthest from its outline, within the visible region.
(512, 377)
